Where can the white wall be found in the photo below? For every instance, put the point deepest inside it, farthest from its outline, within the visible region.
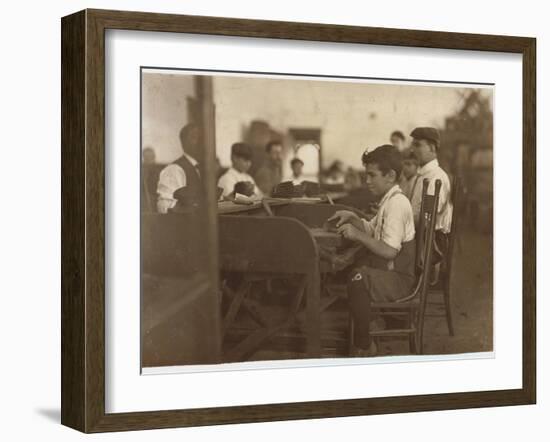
(164, 109)
(30, 233)
(352, 116)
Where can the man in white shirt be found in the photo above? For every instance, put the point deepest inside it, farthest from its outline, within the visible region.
(181, 176)
(425, 145)
(241, 159)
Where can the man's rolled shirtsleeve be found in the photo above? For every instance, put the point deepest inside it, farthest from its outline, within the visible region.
(171, 179)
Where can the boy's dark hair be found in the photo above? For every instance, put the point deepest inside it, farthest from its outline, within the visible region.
(398, 134)
(296, 160)
(387, 157)
(272, 143)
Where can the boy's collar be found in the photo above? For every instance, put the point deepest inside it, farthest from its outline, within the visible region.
(391, 191)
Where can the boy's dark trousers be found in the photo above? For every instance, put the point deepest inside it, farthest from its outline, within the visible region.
(360, 309)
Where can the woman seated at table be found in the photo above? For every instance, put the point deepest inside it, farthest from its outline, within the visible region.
(385, 272)
(241, 160)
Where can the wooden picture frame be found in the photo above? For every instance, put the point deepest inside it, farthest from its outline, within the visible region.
(83, 219)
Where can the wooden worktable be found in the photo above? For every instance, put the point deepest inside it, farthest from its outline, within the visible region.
(228, 207)
(325, 238)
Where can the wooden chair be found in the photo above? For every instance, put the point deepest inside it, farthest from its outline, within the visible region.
(265, 248)
(443, 288)
(412, 307)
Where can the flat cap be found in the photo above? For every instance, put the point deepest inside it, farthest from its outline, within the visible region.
(242, 150)
(426, 133)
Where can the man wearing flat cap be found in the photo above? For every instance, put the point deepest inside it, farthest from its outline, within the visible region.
(241, 160)
(425, 145)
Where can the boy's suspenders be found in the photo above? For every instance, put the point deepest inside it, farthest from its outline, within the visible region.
(389, 263)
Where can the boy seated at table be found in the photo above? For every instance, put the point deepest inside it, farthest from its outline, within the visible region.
(241, 160)
(385, 272)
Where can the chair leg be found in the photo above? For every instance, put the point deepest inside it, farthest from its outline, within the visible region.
(448, 311)
(418, 343)
(313, 315)
(419, 337)
(351, 332)
(412, 336)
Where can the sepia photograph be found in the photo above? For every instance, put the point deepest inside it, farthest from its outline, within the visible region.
(295, 217)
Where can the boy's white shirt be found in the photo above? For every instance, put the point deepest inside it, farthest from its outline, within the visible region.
(231, 177)
(394, 221)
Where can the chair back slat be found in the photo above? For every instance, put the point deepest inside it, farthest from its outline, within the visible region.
(427, 220)
(421, 225)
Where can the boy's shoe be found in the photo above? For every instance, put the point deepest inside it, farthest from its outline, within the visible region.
(365, 353)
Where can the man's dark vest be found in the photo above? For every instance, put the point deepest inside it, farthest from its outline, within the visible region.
(191, 194)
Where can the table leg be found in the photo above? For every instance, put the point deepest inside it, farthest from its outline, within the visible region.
(313, 315)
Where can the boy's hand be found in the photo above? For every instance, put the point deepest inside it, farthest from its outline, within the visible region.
(350, 232)
(343, 217)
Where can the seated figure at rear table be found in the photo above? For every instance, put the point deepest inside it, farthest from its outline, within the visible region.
(237, 176)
